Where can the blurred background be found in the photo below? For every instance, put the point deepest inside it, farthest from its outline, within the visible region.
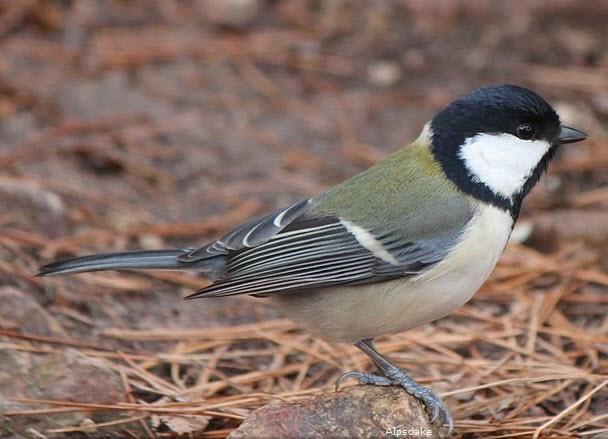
(145, 124)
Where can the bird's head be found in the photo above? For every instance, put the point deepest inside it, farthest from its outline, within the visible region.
(495, 142)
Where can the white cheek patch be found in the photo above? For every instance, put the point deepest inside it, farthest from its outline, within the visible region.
(503, 162)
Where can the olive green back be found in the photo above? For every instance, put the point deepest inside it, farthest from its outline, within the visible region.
(407, 193)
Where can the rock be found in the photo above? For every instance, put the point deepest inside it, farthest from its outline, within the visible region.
(230, 13)
(111, 96)
(384, 73)
(15, 128)
(38, 209)
(23, 313)
(66, 376)
(599, 102)
(358, 411)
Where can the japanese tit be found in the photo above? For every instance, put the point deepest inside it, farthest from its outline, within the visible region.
(401, 244)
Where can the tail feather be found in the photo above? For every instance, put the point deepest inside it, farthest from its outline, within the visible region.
(146, 259)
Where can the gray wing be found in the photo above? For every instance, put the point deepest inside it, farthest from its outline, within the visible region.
(295, 249)
(252, 233)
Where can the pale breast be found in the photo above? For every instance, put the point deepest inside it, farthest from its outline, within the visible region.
(349, 314)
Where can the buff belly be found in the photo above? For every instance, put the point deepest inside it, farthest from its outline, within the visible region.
(348, 314)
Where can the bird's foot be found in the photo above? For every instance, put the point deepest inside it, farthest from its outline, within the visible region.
(395, 376)
(433, 403)
(364, 378)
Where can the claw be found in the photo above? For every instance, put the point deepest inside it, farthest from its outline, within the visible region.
(450, 422)
(364, 378)
(345, 376)
(435, 415)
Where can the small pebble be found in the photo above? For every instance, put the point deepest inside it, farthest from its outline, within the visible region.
(384, 73)
(231, 13)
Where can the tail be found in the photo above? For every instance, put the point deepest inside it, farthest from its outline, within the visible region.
(147, 259)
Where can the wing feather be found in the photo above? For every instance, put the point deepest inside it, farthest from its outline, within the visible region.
(250, 234)
(295, 249)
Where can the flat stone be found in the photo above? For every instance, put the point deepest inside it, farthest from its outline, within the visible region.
(230, 13)
(358, 411)
(63, 376)
(23, 313)
(38, 208)
(108, 97)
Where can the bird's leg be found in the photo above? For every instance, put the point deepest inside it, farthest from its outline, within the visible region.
(395, 376)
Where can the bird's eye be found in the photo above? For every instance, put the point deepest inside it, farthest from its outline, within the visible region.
(525, 131)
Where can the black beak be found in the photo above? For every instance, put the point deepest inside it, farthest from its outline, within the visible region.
(570, 135)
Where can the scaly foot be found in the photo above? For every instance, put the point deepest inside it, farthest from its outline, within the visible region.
(398, 377)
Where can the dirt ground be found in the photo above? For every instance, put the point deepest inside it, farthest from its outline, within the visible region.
(145, 124)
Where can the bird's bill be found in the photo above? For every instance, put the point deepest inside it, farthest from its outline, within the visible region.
(570, 135)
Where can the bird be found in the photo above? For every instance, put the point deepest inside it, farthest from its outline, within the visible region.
(396, 246)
